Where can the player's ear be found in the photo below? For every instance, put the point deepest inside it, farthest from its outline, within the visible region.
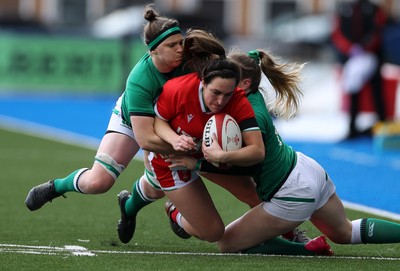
(246, 83)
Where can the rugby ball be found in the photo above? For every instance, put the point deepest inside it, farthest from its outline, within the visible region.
(227, 131)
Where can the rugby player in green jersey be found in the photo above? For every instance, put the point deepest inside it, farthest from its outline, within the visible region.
(131, 123)
(293, 187)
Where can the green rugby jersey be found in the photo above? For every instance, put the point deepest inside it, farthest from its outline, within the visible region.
(143, 86)
(280, 158)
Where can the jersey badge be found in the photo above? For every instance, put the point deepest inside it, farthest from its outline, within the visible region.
(189, 117)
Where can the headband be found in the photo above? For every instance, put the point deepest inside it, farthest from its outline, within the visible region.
(254, 54)
(163, 35)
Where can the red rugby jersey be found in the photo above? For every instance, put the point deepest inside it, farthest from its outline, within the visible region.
(181, 104)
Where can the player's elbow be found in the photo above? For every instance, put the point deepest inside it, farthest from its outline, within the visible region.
(259, 155)
(143, 142)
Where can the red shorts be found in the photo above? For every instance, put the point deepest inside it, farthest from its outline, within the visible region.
(170, 179)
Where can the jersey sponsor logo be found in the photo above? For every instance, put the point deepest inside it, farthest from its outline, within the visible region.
(189, 117)
(371, 229)
(207, 130)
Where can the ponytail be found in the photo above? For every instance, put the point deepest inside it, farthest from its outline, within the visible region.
(284, 78)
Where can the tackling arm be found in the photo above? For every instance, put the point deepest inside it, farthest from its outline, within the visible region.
(143, 128)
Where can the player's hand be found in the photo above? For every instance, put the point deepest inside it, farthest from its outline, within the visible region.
(214, 153)
(182, 162)
(185, 144)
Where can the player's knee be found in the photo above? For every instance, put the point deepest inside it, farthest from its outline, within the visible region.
(224, 248)
(109, 164)
(213, 233)
(95, 182)
(100, 185)
(229, 242)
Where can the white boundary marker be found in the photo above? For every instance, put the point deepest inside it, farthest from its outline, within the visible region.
(51, 133)
(374, 211)
(48, 132)
(47, 250)
(73, 250)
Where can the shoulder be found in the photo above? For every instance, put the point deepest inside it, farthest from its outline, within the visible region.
(183, 80)
(144, 76)
(143, 62)
(260, 108)
(257, 100)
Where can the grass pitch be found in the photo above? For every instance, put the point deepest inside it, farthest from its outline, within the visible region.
(79, 232)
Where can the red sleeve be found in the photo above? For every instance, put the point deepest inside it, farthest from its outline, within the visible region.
(341, 42)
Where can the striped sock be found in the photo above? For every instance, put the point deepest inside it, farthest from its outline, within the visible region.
(137, 201)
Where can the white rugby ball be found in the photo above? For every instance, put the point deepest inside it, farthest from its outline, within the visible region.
(227, 131)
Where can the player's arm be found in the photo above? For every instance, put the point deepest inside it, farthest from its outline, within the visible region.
(252, 153)
(143, 128)
(178, 142)
(193, 163)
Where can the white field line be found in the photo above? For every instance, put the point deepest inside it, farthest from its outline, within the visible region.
(39, 130)
(72, 250)
(47, 132)
(48, 250)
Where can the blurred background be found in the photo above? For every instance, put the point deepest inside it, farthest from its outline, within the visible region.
(87, 47)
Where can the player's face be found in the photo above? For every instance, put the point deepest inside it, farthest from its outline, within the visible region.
(218, 93)
(168, 55)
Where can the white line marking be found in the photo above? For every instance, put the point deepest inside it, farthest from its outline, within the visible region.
(40, 130)
(69, 250)
(48, 250)
(55, 134)
(79, 251)
(371, 210)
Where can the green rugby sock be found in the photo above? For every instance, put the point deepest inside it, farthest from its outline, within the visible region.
(279, 246)
(137, 200)
(66, 184)
(377, 231)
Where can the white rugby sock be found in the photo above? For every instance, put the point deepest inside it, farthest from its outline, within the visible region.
(356, 232)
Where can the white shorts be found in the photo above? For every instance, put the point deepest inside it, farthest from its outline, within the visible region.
(307, 188)
(116, 123)
(149, 178)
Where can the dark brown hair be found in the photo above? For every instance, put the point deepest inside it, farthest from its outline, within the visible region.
(156, 24)
(221, 68)
(200, 47)
(205, 54)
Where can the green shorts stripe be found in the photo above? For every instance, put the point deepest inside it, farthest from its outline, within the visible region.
(150, 177)
(295, 199)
